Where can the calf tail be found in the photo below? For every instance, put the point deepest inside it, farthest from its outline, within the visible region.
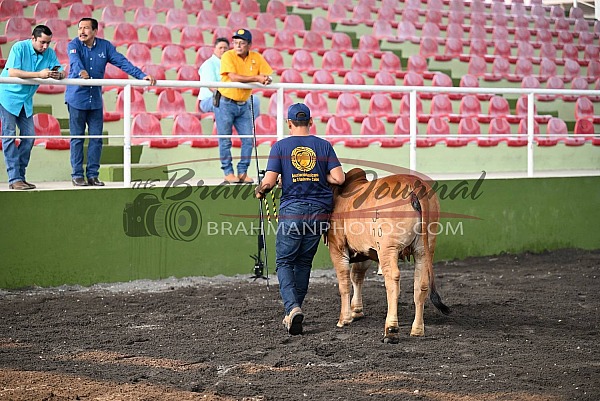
(434, 296)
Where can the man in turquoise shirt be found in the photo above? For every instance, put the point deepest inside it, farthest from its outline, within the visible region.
(31, 58)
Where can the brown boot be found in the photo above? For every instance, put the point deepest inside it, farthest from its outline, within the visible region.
(231, 179)
(294, 321)
(19, 185)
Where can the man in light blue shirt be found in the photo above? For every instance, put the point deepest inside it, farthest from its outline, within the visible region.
(210, 71)
(31, 58)
(88, 56)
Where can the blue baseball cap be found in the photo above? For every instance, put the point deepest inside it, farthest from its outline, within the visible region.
(243, 34)
(298, 112)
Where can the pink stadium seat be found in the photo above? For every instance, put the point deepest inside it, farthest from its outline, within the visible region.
(370, 126)
(295, 24)
(293, 76)
(58, 28)
(356, 78)
(497, 127)
(584, 130)
(158, 72)
(556, 130)
(575, 12)
(469, 128)
(572, 69)
(543, 36)
(523, 67)
(159, 36)
(554, 82)
(581, 26)
(207, 19)
(318, 105)
(360, 15)
(337, 13)
(138, 105)
(437, 131)
(405, 107)
(525, 50)
(176, 18)
(325, 77)
(287, 102)
(477, 66)
(77, 11)
(522, 35)
(369, 44)
(478, 47)
(113, 72)
(113, 15)
(500, 70)
(591, 52)
(10, 9)
(321, 26)
(277, 9)
(146, 130)
(388, 79)
(47, 124)
(44, 10)
(469, 81)
(522, 139)
(502, 48)
(584, 109)
(163, 6)
(586, 38)
(302, 60)
(470, 106)
(477, 32)
(267, 23)
(454, 30)
(334, 62)
(380, 106)
(275, 59)
(428, 47)
(521, 110)
(361, 61)
(285, 41)
(456, 17)
(129, 5)
(138, 54)
(453, 50)
(17, 28)
(188, 73)
(530, 82)
(430, 30)
(337, 126)
(145, 17)
(407, 32)
(250, 7)
(341, 42)
(390, 62)
(547, 69)
(498, 107)
(382, 30)
(417, 63)
(60, 48)
(441, 106)
(188, 124)
(348, 106)
(125, 34)
(236, 19)
(220, 7)
(203, 54)
(412, 78)
(570, 51)
(266, 129)
(191, 37)
(401, 134)
(313, 42)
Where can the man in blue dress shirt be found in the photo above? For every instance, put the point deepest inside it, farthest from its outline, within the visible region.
(88, 56)
(31, 58)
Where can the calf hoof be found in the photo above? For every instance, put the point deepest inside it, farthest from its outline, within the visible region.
(417, 331)
(342, 323)
(357, 315)
(391, 335)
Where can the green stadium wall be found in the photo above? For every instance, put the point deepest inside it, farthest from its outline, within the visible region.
(51, 238)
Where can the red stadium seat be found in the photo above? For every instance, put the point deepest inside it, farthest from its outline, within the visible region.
(470, 107)
(498, 107)
(267, 23)
(342, 43)
(370, 44)
(176, 18)
(522, 139)
(138, 54)
(138, 105)
(554, 82)
(207, 19)
(47, 124)
(44, 10)
(584, 109)
(371, 125)
(188, 73)
(583, 132)
(321, 26)
(293, 76)
(113, 15)
(159, 36)
(391, 62)
(497, 127)
(407, 32)
(125, 34)
(318, 105)
(313, 42)
(556, 130)
(334, 62)
(388, 79)
(277, 9)
(452, 50)
(348, 106)
(220, 7)
(11, 9)
(437, 131)
(337, 126)
(477, 66)
(428, 47)
(325, 77)
(266, 129)
(412, 78)
(250, 7)
(188, 124)
(405, 107)
(236, 19)
(173, 57)
(468, 127)
(287, 102)
(380, 106)
(401, 134)
(362, 62)
(170, 102)
(77, 11)
(293, 23)
(158, 72)
(17, 28)
(285, 41)
(356, 78)
(275, 59)
(500, 70)
(191, 37)
(145, 17)
(302, 61)
(146, 130)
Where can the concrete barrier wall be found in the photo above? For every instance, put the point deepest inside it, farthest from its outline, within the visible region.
(49, 238)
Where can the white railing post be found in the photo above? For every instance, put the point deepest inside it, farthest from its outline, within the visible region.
(413, 130)
(280, 115)
(127, 137)
(530, 133)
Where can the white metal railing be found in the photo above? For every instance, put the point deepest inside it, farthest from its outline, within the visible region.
(280, 89)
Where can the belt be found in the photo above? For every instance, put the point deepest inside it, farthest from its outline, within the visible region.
(233, 101)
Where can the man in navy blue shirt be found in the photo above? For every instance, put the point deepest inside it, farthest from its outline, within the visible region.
(307, 165)
(88, 56)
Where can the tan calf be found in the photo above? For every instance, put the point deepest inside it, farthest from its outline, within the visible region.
(384, 220)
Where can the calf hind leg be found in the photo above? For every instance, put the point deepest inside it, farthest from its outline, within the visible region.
(357, 275)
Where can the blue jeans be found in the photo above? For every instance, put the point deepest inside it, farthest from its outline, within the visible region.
(206, 105)
(16, 157)
(299, 231)
(95, 122)
(228, 115)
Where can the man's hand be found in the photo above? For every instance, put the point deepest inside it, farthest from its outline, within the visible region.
(258, 193)
(83, 74)
(45, 73)
(264, 79)
(151, 79)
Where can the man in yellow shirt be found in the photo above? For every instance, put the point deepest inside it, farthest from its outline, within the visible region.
(232, 107)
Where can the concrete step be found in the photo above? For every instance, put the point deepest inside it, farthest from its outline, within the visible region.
(143, 172)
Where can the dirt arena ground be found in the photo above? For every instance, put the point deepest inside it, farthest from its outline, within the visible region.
(523, 327)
